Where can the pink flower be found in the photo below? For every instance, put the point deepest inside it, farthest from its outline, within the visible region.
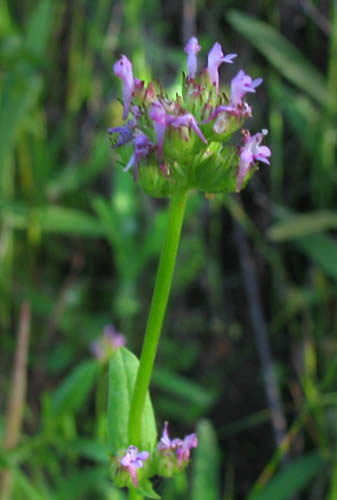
(109, 342)
(141, 148)
(181, 447)
(188, 121)
(240, 85)
(133, 460)
(251, 152)
(124, 133)
(165, 441)
(215, 58)
(157, 114)
(123, 69)
(184, 449)
(163, 129)
(192, 48)
(161, 120)
(113, 337)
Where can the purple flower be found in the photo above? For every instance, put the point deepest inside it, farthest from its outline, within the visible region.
(109, 342)
(251, 152)
(133, 460)
(124, 133)
(192, 48)
(168, 134)
(186, 120)
(161, 120)
(165, 441)
(215, 58)
(182, 448)
(135, 110)
(240, 85)
(115, 338)
(183, 451)
(157, 114)
(123, 69)
(141, 148)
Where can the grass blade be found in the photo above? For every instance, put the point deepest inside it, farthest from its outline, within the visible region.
(206, 464)
(282, 54)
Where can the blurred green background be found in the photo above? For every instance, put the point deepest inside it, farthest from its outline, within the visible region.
(248, 353)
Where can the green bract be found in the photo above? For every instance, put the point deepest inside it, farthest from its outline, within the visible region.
(123, 368)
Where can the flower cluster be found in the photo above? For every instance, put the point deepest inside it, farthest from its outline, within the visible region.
(107, 344)
(182, 143)
(170, 456)
(174, 453)
(133, 460)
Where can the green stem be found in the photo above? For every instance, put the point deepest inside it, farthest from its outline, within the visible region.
(157, 313)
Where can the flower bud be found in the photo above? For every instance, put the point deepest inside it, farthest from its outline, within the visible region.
(191, 49)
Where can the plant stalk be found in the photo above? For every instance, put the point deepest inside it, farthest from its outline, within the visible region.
(17, 396)
(160, 296)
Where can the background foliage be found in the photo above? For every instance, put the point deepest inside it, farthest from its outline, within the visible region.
(250, 336)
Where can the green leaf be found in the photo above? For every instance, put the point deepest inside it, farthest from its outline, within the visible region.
(322, 249)
(6, 23)
(91, 449)
(74, 177)
(299, 225)
(22, 84)
(304, 117)
(80, 484)
(70, 396)
(291, 479)
(122, 377)
(206, 464)
(65, 220)
(4, 457)
(145, 488)
(38, 28)
(154, 237)
(23, 488)
(282, 54)
(19, 93)
(188, 391)
(54, 219)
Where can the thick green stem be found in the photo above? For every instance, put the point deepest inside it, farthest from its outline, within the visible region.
(157, 313)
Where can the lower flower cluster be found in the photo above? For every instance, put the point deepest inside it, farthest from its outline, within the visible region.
(182, 143)
(107, 344)
(132, 466)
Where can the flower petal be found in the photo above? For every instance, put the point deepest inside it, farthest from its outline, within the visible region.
(123, 69)
(124, 133)
(142, 456)
(192, 48)
(264, 151)
(165, 442)
(215, 58)
(131, 163)
(187, 120)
